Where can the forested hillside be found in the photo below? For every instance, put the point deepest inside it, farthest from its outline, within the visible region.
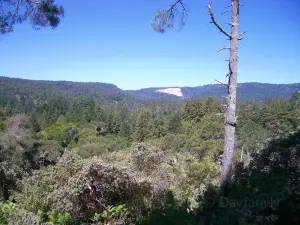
(28, 92)
(246, 91)
(77, 153)
(38, 91)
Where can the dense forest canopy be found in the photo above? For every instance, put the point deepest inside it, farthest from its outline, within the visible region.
(60, 138)
(39, 90)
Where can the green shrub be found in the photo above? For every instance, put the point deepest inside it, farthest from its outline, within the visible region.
(57, 131)
(115, 211)
(57, 218)
(13, 214)
(7, 210)
(2, 126)
(65, 187)
(87, 134)
(98, 146)
(48, 150)
(23, 217)
(36, 188)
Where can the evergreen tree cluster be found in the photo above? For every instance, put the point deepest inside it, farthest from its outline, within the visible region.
(168, 151)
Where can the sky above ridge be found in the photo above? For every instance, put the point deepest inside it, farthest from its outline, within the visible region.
(113, 42)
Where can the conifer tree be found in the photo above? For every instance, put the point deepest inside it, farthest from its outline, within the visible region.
(41, 13)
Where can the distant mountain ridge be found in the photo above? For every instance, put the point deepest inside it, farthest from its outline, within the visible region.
(246, 91)
(12, 88)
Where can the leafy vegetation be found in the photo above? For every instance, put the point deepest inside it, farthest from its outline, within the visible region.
(160, 158)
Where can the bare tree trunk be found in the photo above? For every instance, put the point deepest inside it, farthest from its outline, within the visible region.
(159, 23)
(230, 116)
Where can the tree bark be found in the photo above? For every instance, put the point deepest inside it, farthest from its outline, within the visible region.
(230, 115)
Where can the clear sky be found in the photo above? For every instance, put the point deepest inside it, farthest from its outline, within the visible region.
(112, 41)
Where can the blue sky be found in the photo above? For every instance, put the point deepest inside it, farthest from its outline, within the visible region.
(112, 41)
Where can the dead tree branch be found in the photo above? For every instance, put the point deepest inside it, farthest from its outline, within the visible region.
(243, 33)
(215, 22)
(110, 220)
(224, 48)
(94, 197)
(221, 82)
(227, 11)
(241, 38)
